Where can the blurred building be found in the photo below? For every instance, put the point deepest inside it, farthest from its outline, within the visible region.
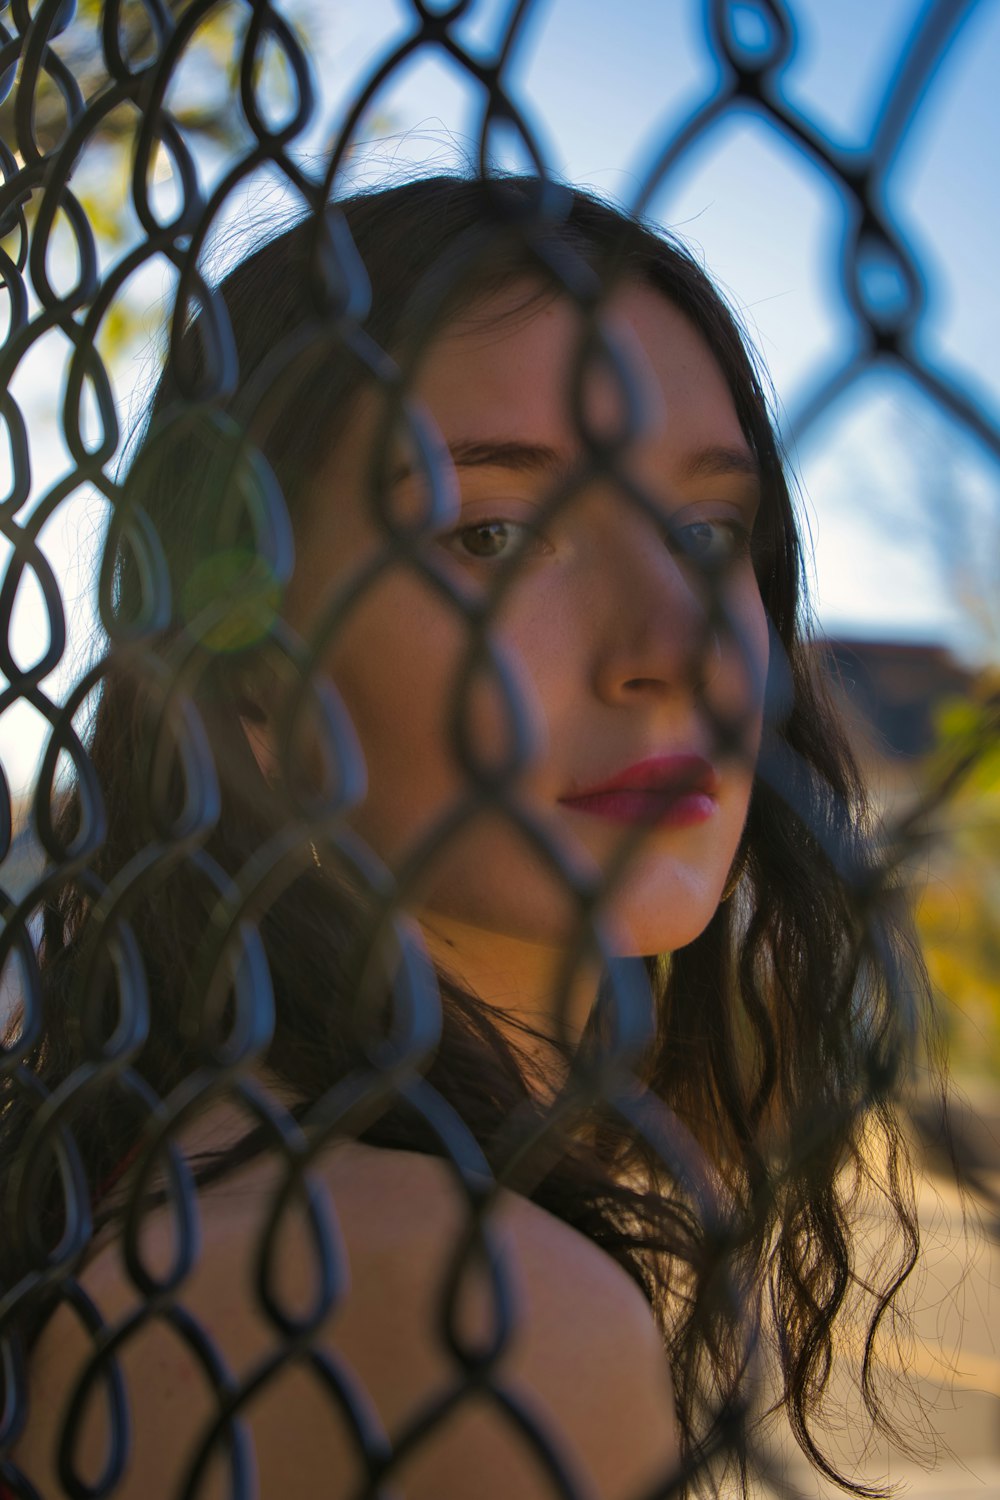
(891, 692)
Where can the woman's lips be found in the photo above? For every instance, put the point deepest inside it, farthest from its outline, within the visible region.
(667, 791)
(660, 809)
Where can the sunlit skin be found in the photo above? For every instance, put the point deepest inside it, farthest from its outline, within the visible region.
(605, 621)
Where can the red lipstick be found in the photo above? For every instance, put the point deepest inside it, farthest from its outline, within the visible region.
(668, 791)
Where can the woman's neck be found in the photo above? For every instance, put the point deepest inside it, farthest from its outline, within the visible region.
(525, 981)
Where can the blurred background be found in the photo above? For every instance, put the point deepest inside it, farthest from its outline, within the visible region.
(749, 130)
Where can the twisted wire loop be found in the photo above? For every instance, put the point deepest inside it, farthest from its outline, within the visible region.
(171, 645)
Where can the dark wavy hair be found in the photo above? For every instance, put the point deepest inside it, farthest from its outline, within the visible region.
(186, 928)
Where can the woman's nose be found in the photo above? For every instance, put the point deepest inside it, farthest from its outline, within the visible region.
(657, 626)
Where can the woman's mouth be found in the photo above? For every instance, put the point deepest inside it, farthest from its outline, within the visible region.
(669, 791)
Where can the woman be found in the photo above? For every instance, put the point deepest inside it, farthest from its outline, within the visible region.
(461, 819)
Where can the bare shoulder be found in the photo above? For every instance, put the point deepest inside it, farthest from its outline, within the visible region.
(583, 1364)
(386, 1199)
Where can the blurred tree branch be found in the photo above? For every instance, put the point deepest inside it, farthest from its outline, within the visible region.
(958, 909)
(203, 100)
(213, 114)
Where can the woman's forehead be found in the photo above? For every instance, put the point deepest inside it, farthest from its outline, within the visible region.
(513, 368)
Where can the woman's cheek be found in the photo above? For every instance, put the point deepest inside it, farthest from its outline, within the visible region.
(738, 691)
(395, 665)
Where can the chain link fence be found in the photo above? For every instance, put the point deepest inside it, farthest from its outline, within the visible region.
(216, 983)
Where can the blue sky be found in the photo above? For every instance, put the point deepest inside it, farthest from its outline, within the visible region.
(903, 507)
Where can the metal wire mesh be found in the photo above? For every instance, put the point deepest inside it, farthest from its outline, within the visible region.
(191, 634)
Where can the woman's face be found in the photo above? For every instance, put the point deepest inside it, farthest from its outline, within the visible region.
(605, 624)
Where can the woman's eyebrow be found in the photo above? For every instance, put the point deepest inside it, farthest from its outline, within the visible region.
(523, 458)
(511, 454)
(541, 458)
(715, 461)
(709, 463)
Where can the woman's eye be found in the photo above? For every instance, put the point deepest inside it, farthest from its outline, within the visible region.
(489, 541)
(712, 542)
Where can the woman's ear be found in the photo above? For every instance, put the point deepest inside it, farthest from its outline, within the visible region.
(258, 726)
(262, 700)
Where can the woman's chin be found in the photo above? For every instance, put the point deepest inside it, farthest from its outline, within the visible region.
(641, 924)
